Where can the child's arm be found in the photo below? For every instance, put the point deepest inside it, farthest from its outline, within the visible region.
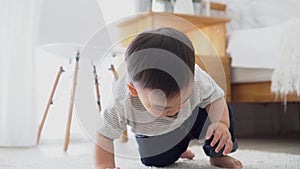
(104, 153)
(218, 112)
(219, 128)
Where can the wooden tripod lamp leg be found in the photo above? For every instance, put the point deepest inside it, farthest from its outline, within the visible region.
(124, 137)
(49, 104)
(97, 88)
(67, 136)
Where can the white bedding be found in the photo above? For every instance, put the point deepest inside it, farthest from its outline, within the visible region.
(255, 48)
(251, 14)
(285, 79)
(255, 30)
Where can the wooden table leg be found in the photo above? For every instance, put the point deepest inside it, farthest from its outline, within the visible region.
(67, 136)
(49, 104)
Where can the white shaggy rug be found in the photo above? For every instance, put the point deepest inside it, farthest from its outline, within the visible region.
(80, 156)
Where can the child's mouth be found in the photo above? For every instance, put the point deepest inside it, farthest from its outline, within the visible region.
(172, 115)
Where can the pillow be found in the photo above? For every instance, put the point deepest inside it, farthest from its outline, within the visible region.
(241, 14)
(271, 12)
(250, 14)
(255, 48)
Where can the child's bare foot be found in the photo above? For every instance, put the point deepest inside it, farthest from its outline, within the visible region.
(225, 162)
(188, 154)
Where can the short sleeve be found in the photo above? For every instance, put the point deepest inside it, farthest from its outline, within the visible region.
(208, 90)
(111, 122)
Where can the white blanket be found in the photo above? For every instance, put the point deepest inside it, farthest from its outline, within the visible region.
(286, 77)
(255, 48)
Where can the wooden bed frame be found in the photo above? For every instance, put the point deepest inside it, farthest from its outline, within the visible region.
(257, 92)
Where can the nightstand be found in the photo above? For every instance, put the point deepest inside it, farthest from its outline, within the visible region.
(208, 35)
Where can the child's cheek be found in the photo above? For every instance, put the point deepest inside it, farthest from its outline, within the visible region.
(184, 105)
(155, 112)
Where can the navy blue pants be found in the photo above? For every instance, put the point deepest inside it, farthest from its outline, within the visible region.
(166, 149)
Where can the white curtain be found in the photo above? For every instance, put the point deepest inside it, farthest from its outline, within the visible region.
(18, 30)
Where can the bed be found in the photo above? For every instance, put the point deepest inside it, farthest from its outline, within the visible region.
(254, 36)
(253, 63)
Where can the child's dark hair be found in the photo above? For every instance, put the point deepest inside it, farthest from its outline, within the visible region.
(151, 51)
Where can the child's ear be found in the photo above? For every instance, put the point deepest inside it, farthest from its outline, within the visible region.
(132, 90)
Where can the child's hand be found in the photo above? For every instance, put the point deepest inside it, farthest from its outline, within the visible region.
(221, 133)
(114, 168)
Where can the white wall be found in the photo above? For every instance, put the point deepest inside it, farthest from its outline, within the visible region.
(116, 9)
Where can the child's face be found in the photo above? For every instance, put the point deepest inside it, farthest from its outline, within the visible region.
(156, 103)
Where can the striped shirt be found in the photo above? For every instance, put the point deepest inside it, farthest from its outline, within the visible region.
(128, 110)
